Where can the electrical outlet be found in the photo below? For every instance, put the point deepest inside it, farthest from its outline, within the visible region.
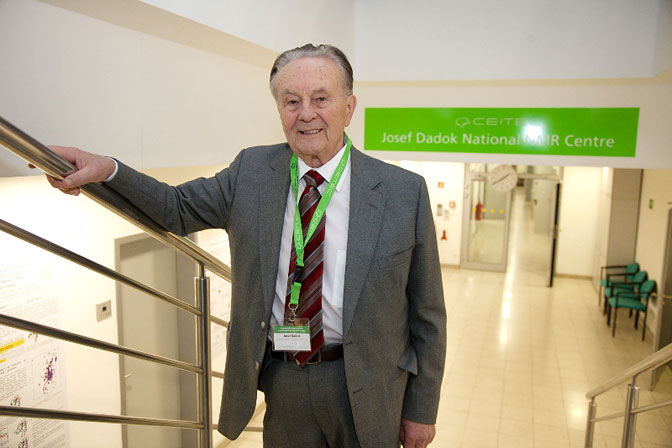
(103, 310)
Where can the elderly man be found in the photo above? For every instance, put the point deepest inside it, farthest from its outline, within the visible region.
(337, 311)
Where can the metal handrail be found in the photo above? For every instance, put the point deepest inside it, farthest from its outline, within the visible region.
(51, 163)
(21, 324)
(657, 359)
(47, 245)
(16, 411)
(37, 154)
(632, 408)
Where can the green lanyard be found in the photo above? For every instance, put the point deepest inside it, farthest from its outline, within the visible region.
(299, 242)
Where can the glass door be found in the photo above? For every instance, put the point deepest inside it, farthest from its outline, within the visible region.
(485, 233)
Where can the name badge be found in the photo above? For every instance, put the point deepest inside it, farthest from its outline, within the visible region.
(292, 338)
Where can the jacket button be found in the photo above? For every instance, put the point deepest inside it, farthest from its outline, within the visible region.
(256, 365)
(263, 325)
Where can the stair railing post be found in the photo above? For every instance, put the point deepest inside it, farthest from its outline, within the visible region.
(202, 289)
(590, 423)
(630, 419)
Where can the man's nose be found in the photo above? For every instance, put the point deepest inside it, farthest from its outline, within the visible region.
(307, 112)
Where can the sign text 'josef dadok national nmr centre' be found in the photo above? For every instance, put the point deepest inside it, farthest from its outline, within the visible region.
(602, 132)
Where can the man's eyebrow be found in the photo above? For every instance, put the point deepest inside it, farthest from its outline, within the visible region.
(316, 91)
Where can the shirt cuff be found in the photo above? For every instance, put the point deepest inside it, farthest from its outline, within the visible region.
(114, 173)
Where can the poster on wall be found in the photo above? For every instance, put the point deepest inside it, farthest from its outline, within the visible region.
(32, 366)
(216, 242)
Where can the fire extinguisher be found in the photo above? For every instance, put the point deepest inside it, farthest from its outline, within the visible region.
(479, 211)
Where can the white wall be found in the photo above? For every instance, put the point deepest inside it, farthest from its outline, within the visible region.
(603, 219)
(70, 79)
(652, 229)
(451, 176)
(272, 24)
(580, 201)
(490, 39)
(452, 39)
(663, 53)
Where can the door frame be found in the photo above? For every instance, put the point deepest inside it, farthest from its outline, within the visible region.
(469, 178)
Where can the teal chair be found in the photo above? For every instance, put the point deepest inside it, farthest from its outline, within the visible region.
(636, 300)
(611, 274)
(627, 285)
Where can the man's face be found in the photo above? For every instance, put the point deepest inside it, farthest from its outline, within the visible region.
(314, 108)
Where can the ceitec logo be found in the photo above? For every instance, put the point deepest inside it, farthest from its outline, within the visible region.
(490, 121)
(462, 121)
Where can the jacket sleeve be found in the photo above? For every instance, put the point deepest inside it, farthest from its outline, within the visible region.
(426, 320)
(192, 206)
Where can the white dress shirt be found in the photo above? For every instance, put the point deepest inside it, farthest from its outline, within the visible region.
(335, 246)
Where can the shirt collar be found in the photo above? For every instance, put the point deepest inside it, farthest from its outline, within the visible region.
(327, 170)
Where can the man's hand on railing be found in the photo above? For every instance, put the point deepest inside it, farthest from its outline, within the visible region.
(90, 168)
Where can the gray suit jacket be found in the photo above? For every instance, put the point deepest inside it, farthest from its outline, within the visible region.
(394, 317)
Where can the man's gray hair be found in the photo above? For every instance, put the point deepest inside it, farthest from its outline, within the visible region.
(319, 51)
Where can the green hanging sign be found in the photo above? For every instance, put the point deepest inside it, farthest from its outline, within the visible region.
(601, 132)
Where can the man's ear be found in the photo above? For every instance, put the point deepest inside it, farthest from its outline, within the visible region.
(351, 104)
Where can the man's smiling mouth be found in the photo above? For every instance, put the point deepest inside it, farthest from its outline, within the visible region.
(310, 132)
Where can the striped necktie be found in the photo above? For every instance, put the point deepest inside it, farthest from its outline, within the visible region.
(310, 298)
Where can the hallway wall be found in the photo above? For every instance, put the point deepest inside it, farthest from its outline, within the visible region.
(652, 229)
(580, 199)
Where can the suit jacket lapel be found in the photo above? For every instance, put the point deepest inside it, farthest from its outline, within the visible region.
(273, 188)
(366, 213)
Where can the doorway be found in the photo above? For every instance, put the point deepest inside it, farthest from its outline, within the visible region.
(513, 230)
(485, 231)
(153, 326)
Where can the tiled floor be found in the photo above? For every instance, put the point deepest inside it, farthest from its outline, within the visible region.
(522, 356)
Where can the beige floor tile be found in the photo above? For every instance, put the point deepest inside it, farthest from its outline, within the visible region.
(550, 418)
(452, 418)
(522, 441)
(654, 445)
(485, 422)
(449, 436)
(550, 435)
(654, 435)
(475, 438)
(490, 396)
(577, 438)
(454, 404)
(517, 428)
(518, 413)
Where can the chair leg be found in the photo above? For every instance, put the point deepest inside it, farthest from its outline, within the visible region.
(613, 326)
(644, 325)
(608, 317)
(636, 318)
